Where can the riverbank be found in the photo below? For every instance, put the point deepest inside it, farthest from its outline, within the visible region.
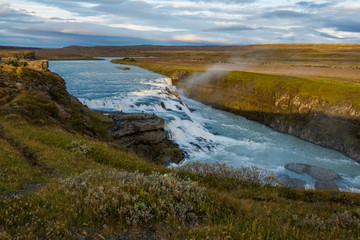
(63, 177)
(321, 110)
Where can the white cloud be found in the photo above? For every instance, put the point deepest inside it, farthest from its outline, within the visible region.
(192, 38)
(145, 28)
(339, 34)
(187, 21)
(40, 10)
(5, 9)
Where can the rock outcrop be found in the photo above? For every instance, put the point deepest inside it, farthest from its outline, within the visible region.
(144, 135)
(39, 65)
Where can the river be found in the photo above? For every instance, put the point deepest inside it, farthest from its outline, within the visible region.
(204, 133)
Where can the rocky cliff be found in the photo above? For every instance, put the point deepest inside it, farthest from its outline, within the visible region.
(324, 114)
(39, 96)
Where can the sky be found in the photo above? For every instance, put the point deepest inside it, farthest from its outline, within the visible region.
(59, 23)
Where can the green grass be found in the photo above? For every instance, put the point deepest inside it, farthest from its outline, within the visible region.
(15, 172)
(330, 90)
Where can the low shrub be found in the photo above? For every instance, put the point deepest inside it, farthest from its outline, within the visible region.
(339, 219)
(78, 147)
(97, 197)
(250, 174)
(132, 198)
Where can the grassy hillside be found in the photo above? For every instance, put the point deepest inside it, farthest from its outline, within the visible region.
(61, 177)
(56, 196)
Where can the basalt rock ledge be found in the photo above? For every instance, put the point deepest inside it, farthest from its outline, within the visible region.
(144, 135)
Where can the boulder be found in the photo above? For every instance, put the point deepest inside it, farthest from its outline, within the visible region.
(321, 174)
(296, 167)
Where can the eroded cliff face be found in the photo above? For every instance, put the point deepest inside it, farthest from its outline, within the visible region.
(332, 125)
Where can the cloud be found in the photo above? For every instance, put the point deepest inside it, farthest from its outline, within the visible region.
(192, 38)
(226, 1)
(78, 22)
(285, 14)
(315, 6)
(236, 27)
(69, 37)
(333, 33)
(345, 24)
(5, 9)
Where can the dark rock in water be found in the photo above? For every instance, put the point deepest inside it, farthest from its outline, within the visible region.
(144, 135)
(328, 185)
(292, 182)
(321, 174)
(192, 110)
(163, 105)
(296, 167)
(196, 145)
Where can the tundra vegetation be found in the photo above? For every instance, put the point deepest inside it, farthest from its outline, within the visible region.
(63, 177)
